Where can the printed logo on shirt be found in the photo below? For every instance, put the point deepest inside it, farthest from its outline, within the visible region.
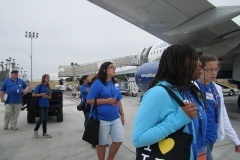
(117, 86)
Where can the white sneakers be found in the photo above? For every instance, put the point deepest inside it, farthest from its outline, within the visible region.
(45, 135)
(35, 134)
(14, 128)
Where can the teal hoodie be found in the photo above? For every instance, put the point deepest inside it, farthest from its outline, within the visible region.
(158, 116)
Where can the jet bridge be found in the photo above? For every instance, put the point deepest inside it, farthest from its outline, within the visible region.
(91, 68)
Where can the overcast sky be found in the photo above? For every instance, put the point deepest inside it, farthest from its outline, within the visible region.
(69, 31)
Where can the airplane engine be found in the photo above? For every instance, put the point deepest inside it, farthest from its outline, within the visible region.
(145, 74)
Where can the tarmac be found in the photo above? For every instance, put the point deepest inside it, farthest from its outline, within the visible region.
(66, 142)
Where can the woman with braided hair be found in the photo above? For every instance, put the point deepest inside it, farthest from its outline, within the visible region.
(178, 67)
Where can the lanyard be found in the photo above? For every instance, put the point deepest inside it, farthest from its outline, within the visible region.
(16, 83)
(46, 89)
(215, 95)
(111, 90)
(17, 86)
(188, 97)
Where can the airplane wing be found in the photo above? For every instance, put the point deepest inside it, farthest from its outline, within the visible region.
(208, 28)
(196, 22)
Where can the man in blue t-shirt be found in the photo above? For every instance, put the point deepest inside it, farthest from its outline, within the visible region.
(11, 94)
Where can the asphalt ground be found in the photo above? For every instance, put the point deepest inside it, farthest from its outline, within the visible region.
(67, 144)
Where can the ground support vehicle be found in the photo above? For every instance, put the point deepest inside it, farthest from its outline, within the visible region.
(60, 87)
(76, 93)
(55, 107)
(129, 88)
(227, 90)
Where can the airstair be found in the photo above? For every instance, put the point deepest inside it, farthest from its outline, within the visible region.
(93, 67)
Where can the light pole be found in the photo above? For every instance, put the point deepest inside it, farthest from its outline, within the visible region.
(9, 62)
(13, 63)
(6, 66)
(31, 35)
(2, 65)
(21, 72)
(25, 75)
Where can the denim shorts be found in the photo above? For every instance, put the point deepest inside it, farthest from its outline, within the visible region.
(113, 128)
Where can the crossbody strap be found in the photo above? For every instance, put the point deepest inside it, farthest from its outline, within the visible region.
(173, 95)
(95, 107)
(95, 104)
(39, 89)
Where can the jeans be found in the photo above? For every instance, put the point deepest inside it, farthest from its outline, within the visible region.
(43, 114)
(209, 150)
(87, 116)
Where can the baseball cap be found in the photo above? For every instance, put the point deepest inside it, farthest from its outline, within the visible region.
(14, 70)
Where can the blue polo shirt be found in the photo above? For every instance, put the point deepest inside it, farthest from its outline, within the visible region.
(14, 90)
(43, 102)
(98, 90)
(84, 93)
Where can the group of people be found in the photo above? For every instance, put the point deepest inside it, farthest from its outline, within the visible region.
(204, 114)
(11, 94)
(191, 78)
(180, 69)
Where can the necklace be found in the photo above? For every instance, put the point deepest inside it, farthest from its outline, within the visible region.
(188, 98)
(111, 89)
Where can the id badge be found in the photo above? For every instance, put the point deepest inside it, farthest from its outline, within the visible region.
(202, 153)
(17, 90)
(209, 96)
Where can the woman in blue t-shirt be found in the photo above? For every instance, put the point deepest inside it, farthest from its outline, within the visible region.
(84, 92)
(43, 91)
(110, 112)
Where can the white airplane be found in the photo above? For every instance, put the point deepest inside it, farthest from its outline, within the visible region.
(209, 28)
(154, 52)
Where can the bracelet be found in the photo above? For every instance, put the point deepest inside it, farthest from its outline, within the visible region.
(106, 100)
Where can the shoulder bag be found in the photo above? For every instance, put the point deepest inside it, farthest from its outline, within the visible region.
(35, 100)
(176, 146)
(81, 107)
(90, 134)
